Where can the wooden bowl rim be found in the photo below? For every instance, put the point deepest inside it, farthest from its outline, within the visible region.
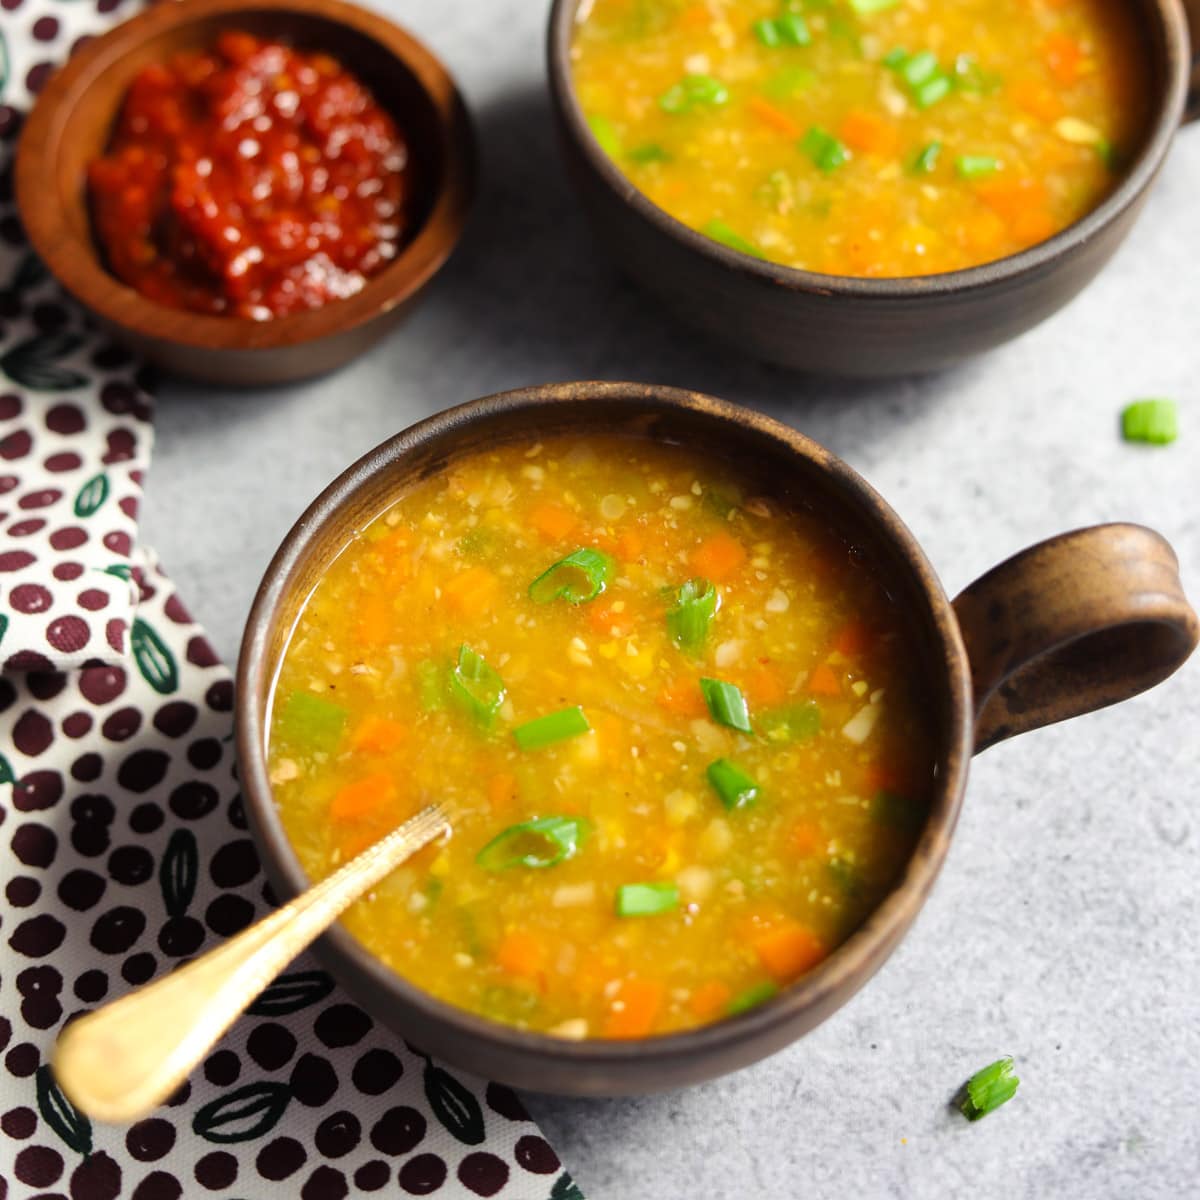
(847, 968)
(75, 261)
(999, 272)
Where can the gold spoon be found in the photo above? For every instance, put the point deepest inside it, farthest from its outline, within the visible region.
(123, 1060)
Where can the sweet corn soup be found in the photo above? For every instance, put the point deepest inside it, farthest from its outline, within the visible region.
(866, 137)
(678, 726)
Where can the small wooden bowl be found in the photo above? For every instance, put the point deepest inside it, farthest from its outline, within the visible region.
(1083, 620)
(842, 325)
(70, 125)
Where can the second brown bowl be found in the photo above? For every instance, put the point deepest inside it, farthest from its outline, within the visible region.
(70, 125)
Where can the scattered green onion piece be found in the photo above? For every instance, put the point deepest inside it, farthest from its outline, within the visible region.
(926, 160)
(767, 32)
(752, 997)
(732, 784)
(921, 66)
(846, 876)
(553, 727)
(971, 77)
(311, 722)
(691, 90)
(646, 899)
(727, 704)
(895, 57)
(1151, 421)
(932, 90)
(606, 134)
(866, 7)
(476, 685)
(720, 232)
(898, 812)
(431, 685)
(976, 166)
(790, 82)
(792, 723)
(792, 30)
(542, 842)
(579, 577)
(651, 152)
(988, 1089)
(824, 149)
(696, 603)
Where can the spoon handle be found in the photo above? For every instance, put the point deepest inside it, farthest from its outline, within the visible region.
(123, 1060)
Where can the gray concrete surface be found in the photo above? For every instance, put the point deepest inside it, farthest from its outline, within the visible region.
(1065, 929)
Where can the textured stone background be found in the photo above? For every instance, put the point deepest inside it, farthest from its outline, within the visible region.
(1065, 929)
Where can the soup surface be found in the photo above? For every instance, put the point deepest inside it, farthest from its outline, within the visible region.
(866, 137)
(679, 728)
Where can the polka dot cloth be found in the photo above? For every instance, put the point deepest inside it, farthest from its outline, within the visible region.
(123, 842)
(74, 424)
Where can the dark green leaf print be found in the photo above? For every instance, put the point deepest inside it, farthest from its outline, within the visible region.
(453, 1105)
(291, 993)
(120, 570)
(92, 495)
(3, 625)
(30, 270)
(3, 62)
(34, 363)
(154, 660)
(61, 1115)
(244, 1114)
(6, 771)
(565, 1188)
(177, 872)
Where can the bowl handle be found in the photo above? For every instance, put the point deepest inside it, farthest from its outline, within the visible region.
(1073, 624)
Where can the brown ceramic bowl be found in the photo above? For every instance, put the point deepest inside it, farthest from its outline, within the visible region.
(839, 325)
(1081, 621)
(70, 125)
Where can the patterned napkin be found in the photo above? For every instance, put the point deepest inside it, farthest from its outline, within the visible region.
(123, 842)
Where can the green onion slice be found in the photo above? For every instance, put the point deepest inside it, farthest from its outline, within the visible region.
(606, 134)
(311, 721)
(792, 722)
(542, 842)
(895, 57)
(650, 152)
(727, 704)
(732, 784)
(476, 685)
(919, 67)
(728, 236)
(692, 90)
(824, 149)
(579, 577)
(926, 160)
(988, 1089)
(696, 603)
(866, 7)
(1152, 421)
(790, 82)
(976, 166)
(554, 727)
(752, 997)
(646, 899)
(767, 32)
(932, 90)
(792, 29)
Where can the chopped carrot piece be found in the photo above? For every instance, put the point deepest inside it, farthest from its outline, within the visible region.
(719, 556)
(502, 790)
(364, 799)
(683, 697)
(635, 1008)
(879, 777)
(470, 592)
(553, 522)
(695, 16)
(1063, 56)
(1011, 198)
(376, 618)
(766, 687)
(521, 953)
(1037, 99)
(806, 839)
(982, 230)
(709, 999)
(788, 951)
(378, 735)
(1034, 226)
(778, 120)
(824, 681)
(603, 620)
(868, 132)
(853, 638)
(630, 544)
